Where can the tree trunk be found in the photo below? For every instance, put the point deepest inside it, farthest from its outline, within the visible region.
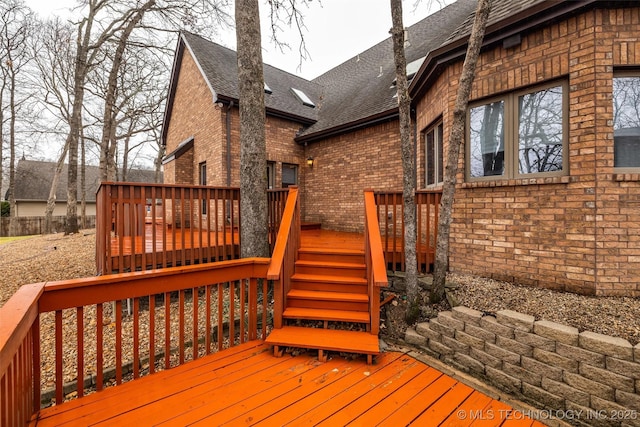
(453, 151)
(83, 183)
(2, 139)
(253, 162)
(108, 143)
(51, 201)
(408, 164)
(13, 223)
(75, 122)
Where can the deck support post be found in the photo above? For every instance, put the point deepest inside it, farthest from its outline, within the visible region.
(322, 356)
(369, 359)
(277, 351)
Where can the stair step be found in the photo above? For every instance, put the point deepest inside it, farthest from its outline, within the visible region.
(318, 282)
(326, 314)
(325, 339)
(349, 269)
(349, 301)
(329, 279)
(331, 255)
(328, 296)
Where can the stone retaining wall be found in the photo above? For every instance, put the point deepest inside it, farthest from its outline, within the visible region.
(591, 379)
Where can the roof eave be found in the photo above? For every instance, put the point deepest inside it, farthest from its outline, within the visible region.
(175, 74)
(305, 121)
(349, 127)
(519, 22)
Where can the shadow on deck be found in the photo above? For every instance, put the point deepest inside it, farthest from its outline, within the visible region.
(246, 385)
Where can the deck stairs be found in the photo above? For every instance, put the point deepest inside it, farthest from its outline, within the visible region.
(327, 305)
(326, 290)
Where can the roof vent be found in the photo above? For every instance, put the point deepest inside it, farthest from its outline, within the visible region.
(267, 89)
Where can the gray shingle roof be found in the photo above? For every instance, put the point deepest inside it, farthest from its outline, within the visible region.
(361, 89)
(33, 180)
(500, 9)
(357, 89)
(220, 68)
(362, 86)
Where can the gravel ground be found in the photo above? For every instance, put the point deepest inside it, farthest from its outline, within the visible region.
(614, 316)
(59, 257)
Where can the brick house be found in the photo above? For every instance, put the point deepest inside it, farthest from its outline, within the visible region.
(549, 185)
(33, 183)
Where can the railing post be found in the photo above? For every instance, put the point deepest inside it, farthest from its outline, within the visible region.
(374, 260)
(285, 253)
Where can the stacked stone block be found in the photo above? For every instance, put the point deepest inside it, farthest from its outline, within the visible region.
(550, 365)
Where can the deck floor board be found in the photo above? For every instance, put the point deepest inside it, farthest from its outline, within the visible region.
(246, 385)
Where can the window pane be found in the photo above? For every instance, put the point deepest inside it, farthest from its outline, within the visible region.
(289, 175)
(440, 152)
(486, 137)
(430, 159)
(540, 131)
(626, 121)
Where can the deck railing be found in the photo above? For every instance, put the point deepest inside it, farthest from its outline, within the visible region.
(277, 199)
(79, 332)
(146, 226)
(390, 214)
(374, 259)
(285, 254)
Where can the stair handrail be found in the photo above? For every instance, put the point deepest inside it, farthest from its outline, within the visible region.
(374, 259)
(285, 253)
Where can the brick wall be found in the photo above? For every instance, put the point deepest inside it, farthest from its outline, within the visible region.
(579, 232)
(548, 364)
(194, 114)
(346, 165)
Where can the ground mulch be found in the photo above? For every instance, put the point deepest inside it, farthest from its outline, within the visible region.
(613, 316)
(59, 257)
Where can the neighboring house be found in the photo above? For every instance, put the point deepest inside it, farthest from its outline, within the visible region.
(549, 188)
(33, 183)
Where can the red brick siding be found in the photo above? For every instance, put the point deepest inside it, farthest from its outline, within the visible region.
(346, 165)
(195, 114)
(581, 232)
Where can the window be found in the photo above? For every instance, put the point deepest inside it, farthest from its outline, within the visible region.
(433, 154)
(626, 121)
(202, 180)
(521, 134)
(289, 175)
(302, 97)
(271, 173)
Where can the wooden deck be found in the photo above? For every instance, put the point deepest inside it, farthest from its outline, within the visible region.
(246, 385)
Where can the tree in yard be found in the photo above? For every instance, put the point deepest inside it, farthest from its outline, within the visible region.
(453, 151)
(253, 179)
(103, 33)
(408, 163)
(16, 25)
(253, 158)
(108, 144)
(54, 53)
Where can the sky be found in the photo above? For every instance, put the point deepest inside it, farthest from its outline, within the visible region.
(336, 30)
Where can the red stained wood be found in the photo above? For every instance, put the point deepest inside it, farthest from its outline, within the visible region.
(246, 385)
(327, 339)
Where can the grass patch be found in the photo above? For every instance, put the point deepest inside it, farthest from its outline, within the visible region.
(4, 240)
